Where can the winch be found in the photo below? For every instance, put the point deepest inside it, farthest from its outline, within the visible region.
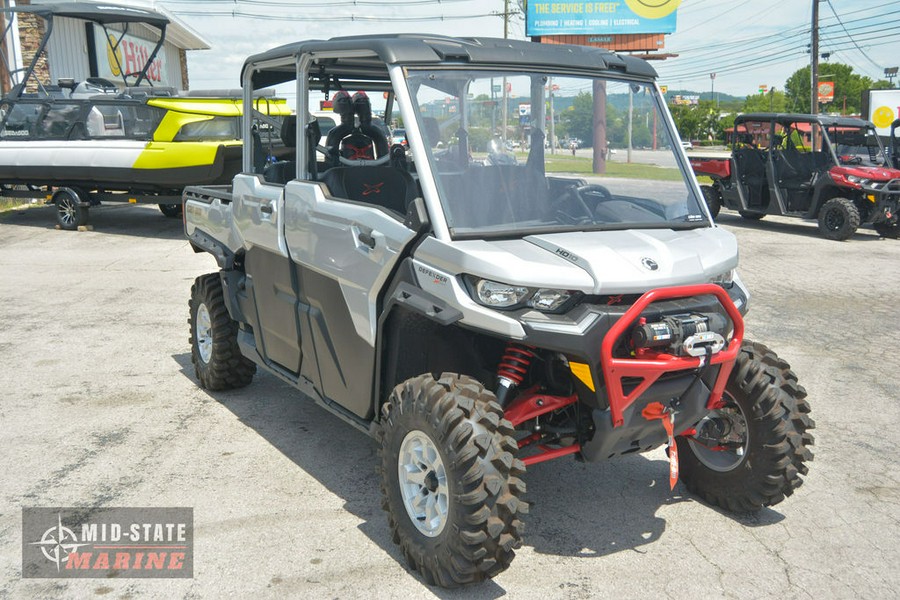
(682, 335)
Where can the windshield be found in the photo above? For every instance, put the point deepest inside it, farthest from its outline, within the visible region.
(857, 146)
(517, 153)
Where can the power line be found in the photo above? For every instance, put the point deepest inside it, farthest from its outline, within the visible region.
(342, 17)
(319, 4)
(700, 66)
(848, 33)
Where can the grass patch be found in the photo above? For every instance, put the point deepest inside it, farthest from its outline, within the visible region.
(584, 166)
(14, 204)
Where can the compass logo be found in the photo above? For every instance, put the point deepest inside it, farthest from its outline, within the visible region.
(58, 543)
(107, 542)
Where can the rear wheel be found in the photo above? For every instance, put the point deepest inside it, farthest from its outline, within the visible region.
(450, 481)
(751, 216)
(752, 451)
(70, 214)
(171, 210)
(712, 198)
(838, 219)
(217, 359)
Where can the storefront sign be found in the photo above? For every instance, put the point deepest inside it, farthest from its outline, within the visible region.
(129, 57)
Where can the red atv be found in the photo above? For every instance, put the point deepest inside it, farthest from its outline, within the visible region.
(833, 169)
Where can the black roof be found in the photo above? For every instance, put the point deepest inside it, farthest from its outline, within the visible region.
(98, 13)
(826, 120)
(420, 49)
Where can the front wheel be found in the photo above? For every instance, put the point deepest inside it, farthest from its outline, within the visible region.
(217, 359)
(838, 219)
(751, 451)
(450, 481)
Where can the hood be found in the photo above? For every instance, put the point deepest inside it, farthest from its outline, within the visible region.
(602, 262)
(871, 173)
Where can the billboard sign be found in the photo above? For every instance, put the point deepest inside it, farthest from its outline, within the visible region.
(884, 107)
(548, 17)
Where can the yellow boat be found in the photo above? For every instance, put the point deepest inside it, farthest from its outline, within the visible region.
(81, 143)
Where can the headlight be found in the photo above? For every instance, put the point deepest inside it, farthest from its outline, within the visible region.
(858, 180)
(548, 300)
(504, 295)
(499, 295)
(724, 279)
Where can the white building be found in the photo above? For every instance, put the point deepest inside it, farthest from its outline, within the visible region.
(79, 50)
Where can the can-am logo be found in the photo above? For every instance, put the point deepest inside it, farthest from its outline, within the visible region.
(649, 264)
(108, 542)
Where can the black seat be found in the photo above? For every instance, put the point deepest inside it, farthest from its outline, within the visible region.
(342, 105)
(283, 171)
(380, 185)
(352, 141)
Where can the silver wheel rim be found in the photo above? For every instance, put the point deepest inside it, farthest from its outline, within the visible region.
(66, 210)
(726, 459)
(423, 483)
(203, 333)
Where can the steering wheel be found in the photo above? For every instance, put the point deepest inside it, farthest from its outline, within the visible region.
(851, 160)
(592, 193)
(575, 206)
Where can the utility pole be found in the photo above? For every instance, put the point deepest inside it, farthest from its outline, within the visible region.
(552, 117)
(814, 60)
(712, 89)
(630, 118)
(504, 109)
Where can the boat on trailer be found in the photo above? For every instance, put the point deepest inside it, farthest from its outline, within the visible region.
(80, 143)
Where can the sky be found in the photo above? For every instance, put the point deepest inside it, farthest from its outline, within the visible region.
(746, 43)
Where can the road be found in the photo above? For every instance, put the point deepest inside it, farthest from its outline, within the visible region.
(101, 408)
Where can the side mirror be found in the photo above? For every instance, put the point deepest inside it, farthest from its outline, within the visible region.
(417, 216)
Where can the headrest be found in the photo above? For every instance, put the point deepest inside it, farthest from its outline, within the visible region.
(289, 131)
(342, 105)
(362, 107)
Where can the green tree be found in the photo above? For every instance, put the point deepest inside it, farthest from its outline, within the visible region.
(773, 101)
(688, 120)
(848, 88)
(578, 119)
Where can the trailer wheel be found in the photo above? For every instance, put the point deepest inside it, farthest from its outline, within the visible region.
(712, 198)
(172, 211)
(450, 481)
(217, 359)
(70, 215)
(838, 219)
(751, 451)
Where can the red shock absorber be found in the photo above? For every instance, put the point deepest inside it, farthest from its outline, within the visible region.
(512, 369)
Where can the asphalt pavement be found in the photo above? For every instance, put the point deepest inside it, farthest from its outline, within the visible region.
(101, 408)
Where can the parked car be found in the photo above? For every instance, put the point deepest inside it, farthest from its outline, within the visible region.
(398, 136)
